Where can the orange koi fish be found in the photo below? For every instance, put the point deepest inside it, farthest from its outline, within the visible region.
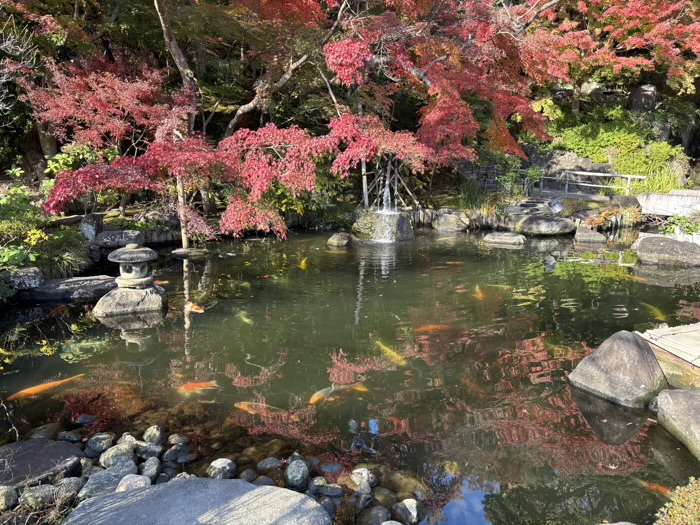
(455, 263)
(40, 389)
(326, 393)
(196, 388)
(430, 328)
(189, 305)
(161, 283)
(264, 411)
(263, 276)
(478, 293)
(654, 487)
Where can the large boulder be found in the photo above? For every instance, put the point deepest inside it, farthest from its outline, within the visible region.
(668, 252)
(678, 413)
(447, 221)
(73, 289)
(26, 278)
(128, 301)
(383, 227)
(339, 240)
(106, 481)
(119, 238)
(201, 500)
(38, 461)
(623, 370)
(545, 226)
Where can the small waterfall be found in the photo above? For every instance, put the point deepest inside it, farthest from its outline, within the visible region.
(385, 226)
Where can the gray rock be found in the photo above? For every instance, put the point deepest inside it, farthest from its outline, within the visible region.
(360, 475)
(409, 511)
(669, 204)
(178, 439)
(72, 436)
(119, 238)
(26, 278)
(445, 221)
(92, 453)
(330, 468)
(117, 454)
(392, 522)
(642, 98)
(127, 437)
(545, 226)
(174, 452)
(91, 225)
(38, 461)
(248, 475)
(263, 481)
(332, 491)
(678, 413)
(150, 468)
(381, 227)
(589, 236)
(328, 505)
(85, 419)
(162, 478)
(127, 301)
(47, 431)
(8, 498)
(38, 498)
(316, 483)
(133, 481)
(154, 434)
(187, 458)
(101, 442)
(374, 516)
(67, 490)
(297, 475)
(385, 497)
(505, 239)
(183, 475)
(146, 450)
(106, 481)
(72, 289)
(223, 502)
(623, 370)
(222, 468)
(189, 253)
(268, 464)
(339, 240)
(668, 252)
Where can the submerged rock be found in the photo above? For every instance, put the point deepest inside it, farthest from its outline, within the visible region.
(623, 370)
(678, 413)
(409, 511)
(613, 424)
(296, 476)
(374, 516)
(339, 240)
(589, 236)
(222, 501)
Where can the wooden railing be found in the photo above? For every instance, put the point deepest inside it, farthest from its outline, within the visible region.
(572, 178)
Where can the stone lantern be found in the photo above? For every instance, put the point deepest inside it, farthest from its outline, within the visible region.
(136, 293)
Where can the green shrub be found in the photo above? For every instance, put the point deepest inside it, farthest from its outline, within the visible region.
(63, 254)
(470, 195)
(18, 215)
(684, 507)
(601, 141)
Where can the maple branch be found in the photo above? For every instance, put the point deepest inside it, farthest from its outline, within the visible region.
(330, 91)
(261, 94)
(534, 17)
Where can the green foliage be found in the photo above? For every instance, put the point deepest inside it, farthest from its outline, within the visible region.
(18, 215)
(62, 254)
(75, 156)
(127, 224)
(470, 196)
(17, 255)
(602, 141)
(689, 225)
(684, 507)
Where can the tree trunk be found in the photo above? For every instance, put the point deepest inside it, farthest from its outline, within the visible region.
(576, 98)
(190, 85)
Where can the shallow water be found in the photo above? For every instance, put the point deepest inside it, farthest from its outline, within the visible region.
(464, 353)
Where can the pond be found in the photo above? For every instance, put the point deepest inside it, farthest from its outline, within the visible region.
(448, 359)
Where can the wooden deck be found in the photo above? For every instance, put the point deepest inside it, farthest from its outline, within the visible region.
(678, 351)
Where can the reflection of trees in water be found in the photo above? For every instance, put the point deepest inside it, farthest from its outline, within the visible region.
(261, 378)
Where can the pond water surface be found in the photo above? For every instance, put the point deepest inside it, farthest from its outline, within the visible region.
(461, 355)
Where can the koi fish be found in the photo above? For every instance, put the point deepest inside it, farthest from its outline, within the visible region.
(191, 307)
(196, 388)
(430, 328)
(263, 276)
(263, 410)
(40, 389)
(326, 393)
(161, 283)
(505, 287)
(304, 264)
(393, 356)
(243, 318)
(337, 252)
(478, 293)
(654, 311)
(654, 487)
(455, 263)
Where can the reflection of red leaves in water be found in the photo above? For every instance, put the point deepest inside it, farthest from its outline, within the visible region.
(346, 372)
(290, 423)
(266, 373)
